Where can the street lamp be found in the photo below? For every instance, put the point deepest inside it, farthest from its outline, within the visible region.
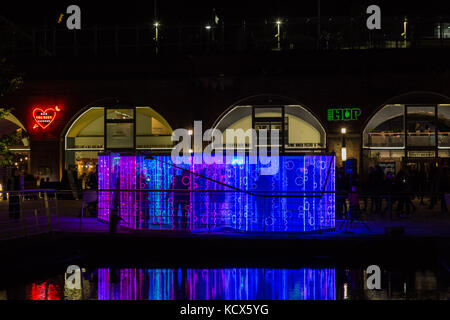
(208, 27)
(344, 148)
(278, 36)
(405, 25)
(156, 25)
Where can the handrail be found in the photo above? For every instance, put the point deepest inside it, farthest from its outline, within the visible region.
(266, 192)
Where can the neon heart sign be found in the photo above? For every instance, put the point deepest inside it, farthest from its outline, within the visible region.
(44, 117)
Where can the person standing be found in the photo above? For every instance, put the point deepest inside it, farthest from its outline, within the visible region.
(181, 199)
(444, 189)
(114, 217)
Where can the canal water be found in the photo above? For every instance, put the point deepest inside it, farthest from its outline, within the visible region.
(324, 283)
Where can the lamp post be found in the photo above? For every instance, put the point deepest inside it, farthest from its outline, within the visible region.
(405, 29)
(156, 25)
(344, 148)
(209, 31)
(278, 35)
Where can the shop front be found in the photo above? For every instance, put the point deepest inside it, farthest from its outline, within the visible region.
(15, 148)
(84, 139)
(299, 129)
(408, 134)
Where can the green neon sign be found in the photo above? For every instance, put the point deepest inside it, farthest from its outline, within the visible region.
(344, 114)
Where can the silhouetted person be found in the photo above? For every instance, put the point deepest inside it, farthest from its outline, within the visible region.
(444, 188)
(42, 183)
(65, 184)
(181, 199)
(92, 183)
(410, 192)
(341, 189)
(402, 186)
(353, 202)
(48, 185)
(435, 182)
(143, 208)
(378, 188)
(389, 188)
(421, 184)
(114, 217)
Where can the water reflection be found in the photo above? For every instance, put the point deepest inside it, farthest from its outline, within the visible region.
(234, 284)
(213, 284)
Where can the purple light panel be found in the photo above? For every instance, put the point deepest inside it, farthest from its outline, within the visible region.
(298, 198)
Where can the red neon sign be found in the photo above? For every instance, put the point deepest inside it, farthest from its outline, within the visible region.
(44, 118)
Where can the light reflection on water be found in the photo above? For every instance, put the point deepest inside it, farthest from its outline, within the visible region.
(221, 284)
(232, 284)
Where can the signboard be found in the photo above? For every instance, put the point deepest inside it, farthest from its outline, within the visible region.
(44, 117)
(421, 154)
(344, 114)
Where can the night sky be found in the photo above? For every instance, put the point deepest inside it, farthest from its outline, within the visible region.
(39, 13)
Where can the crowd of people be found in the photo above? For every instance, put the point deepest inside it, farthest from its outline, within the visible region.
(382, 192)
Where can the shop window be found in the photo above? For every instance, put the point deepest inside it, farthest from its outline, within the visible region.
(444, 126)
(302, 130)
(421, 127)
(386, 128)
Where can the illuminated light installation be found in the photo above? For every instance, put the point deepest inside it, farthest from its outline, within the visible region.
(44, 116)
(232, 196)
(217, 284)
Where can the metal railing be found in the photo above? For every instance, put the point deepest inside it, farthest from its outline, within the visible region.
(24, 214)
(27, 213)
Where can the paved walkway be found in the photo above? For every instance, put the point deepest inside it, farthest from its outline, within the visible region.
(65, 217)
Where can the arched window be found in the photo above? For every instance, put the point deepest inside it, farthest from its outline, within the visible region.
(18, 141)
(397, 126)
(386, 129)
(84, 138)
(299, 128)
(412, 129)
